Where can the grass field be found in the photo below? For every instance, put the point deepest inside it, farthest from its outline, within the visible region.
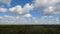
(29, 29)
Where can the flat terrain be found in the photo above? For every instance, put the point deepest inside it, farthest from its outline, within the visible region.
(29, 29)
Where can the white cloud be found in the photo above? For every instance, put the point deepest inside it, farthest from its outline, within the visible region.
(23, 20)
(3, 9)
(52, 10)
(46, 20)
(6, 2)
(49, 6)
(0, 17)
(14, 20)
(39, 3)
(19, 10)
(28, 15)
(28, 7)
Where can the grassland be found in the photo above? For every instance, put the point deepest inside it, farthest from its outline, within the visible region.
(29, 29)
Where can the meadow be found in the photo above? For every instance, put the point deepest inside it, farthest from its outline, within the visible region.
(29, 29)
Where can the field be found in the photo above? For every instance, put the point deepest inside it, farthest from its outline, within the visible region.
(29, 29)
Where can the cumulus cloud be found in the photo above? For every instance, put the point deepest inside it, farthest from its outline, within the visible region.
(19, 10)
(52, 10)
(28, 15)
(3, 9)
(49, 6)
(7, 2)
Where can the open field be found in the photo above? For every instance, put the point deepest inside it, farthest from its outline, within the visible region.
(29, 29)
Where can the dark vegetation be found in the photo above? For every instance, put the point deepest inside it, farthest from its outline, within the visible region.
(29, 29)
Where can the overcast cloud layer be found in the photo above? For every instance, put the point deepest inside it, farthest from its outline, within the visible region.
(49, 7)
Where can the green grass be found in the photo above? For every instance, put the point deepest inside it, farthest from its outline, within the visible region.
(29, 29)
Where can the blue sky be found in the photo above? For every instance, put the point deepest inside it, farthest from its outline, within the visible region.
(37, 10)
(35, 13)
(20, 2)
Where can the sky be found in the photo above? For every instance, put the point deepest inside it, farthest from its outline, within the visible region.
(29, 12)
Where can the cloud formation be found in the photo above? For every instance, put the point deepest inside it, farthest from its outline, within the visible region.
(28, 15)
(39, 3)
(23, 20)
(3, 9)
(19, 10)
(49, 8)
(7, 2)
